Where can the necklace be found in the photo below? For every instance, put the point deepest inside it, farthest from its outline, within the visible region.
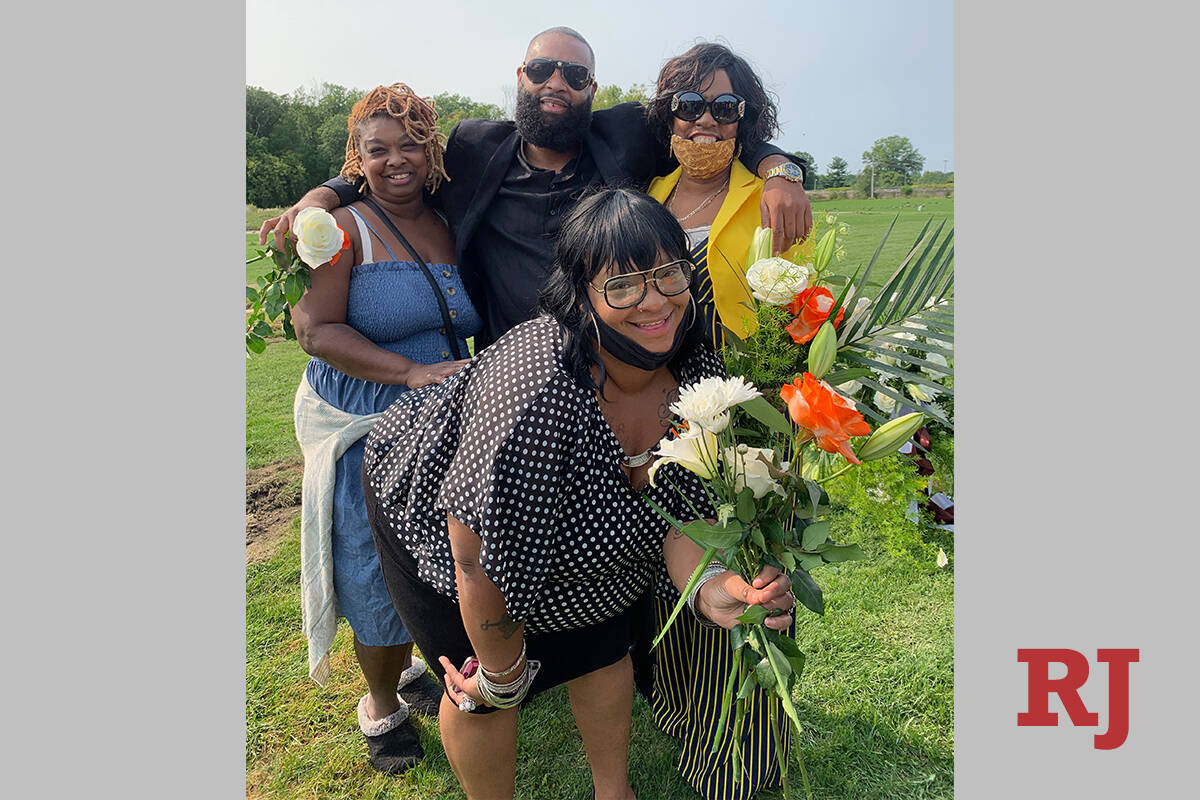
(636, 461)
(705, 202)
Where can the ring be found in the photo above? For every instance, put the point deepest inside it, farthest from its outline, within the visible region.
(466, 705)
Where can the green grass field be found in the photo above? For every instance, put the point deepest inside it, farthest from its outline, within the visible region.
(876, 696)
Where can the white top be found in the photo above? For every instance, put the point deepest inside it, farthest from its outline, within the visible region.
(697, 235)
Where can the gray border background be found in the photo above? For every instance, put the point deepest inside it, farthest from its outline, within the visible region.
(124, 389)
(125, 385)
(1075, 378)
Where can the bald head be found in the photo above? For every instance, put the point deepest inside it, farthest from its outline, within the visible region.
(555, 39)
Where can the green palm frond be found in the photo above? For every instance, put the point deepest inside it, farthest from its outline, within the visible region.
(909, 319)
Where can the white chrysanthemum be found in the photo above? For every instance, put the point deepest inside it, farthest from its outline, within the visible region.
(706, 403)
(776, 280)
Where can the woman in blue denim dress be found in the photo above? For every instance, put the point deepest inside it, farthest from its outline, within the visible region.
(377, 324)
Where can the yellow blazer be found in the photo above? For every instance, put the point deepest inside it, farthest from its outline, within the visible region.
(728, 241)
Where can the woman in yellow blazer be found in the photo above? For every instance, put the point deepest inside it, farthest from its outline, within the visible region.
(708, 105)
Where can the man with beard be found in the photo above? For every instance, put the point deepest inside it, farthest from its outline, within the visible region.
(512, 183)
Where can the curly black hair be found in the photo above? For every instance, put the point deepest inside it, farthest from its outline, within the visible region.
(693, 70)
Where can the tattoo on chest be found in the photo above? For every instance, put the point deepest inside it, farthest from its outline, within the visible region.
(505, 625)
(664, 408)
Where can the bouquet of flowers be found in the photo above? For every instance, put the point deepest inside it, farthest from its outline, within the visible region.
(318, 240)
(763, 463)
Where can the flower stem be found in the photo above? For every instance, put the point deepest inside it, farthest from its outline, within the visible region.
(834, 475)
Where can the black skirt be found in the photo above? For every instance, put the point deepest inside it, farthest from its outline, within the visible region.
(435, 622)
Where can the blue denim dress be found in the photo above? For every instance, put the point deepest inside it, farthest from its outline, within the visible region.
(392, 304)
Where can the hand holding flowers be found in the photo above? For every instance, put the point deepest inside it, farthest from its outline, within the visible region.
(317, 240)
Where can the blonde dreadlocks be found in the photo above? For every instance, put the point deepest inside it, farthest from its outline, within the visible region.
(416, 115)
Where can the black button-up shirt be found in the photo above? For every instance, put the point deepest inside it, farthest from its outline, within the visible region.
(514, 245)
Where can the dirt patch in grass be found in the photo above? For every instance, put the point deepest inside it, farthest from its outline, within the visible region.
(272, 500)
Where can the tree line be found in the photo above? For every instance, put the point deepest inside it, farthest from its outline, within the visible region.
(893, 160)
(298, 140)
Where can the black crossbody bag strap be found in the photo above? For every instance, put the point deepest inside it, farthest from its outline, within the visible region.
(451, 334)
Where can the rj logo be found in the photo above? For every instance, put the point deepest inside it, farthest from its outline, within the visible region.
(1067, 689)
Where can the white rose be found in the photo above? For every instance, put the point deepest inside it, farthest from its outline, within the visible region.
(776, 280)
(884, 403)
(706, 403)
(750, 469)
(695, 449)
(319, 240)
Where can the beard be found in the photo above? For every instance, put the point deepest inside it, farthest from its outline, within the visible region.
(561, 133)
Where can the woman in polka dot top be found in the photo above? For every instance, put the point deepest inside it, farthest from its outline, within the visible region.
(508, 504)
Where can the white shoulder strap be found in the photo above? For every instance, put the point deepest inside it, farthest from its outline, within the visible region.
(364, 235)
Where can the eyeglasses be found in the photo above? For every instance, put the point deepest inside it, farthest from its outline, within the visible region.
(539, 70)
(626, 291)
(726, 108)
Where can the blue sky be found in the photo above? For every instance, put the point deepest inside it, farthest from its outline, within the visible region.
(846, 73)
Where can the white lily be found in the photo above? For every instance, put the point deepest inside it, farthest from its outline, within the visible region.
(694, 449)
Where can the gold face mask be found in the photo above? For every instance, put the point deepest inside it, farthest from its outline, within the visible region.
(703, 160)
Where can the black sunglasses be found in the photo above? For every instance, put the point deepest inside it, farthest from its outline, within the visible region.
(539, 70)
(627, 290)
(726, 108)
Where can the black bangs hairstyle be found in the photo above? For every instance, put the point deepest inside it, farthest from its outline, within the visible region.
(693, 70)
(627, 230)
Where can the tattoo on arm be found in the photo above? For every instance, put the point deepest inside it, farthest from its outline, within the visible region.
(505, 625)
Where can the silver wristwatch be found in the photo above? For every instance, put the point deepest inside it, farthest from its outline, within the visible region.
(788, 170)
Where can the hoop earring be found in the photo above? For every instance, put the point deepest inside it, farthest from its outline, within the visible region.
(595, 327)
(695, 310)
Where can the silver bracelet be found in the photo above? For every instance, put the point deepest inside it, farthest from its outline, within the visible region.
(711, 571)
(494, 675)
(511, 694)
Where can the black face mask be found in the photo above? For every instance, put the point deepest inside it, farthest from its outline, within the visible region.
(632, 353)
(563, 134)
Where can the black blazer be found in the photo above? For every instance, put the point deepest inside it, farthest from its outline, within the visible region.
(480, 152)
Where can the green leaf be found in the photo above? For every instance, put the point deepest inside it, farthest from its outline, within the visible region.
(767, 414)
(833, 553)
(289, 332)
(748, 684)
(263, 329)
(711, 536)
(745, 506)
(807, 591)
(251, 293)
(255, 344)
(773, 530)
(846, 375)
(737, 637)
(788, 560)
(754, 615)
(815, 535)
(687, 590)
(786, 644)
(809, 561)
(757, 538)
(763, 672)
(293, 289)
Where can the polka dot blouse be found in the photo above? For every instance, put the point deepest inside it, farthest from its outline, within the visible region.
(521, 454)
